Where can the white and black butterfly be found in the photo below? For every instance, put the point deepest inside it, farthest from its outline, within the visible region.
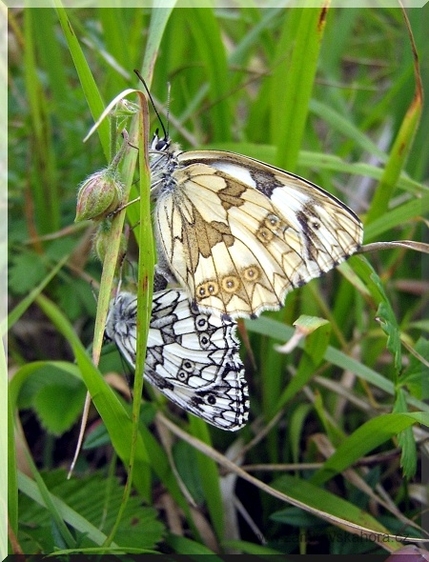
(192, 357)
(239, 234)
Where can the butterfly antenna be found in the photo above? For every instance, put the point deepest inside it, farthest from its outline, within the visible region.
(142, 80)
(168, 108)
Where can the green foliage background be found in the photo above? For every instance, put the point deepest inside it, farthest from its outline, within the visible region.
(334, 438)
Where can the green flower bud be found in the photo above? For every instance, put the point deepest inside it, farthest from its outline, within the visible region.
(99, 195)
(102, 240)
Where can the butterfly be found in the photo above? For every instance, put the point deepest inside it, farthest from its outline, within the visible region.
(238, 234)
(192, 357)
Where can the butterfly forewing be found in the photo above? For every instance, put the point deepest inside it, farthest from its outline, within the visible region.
(239, 234)
(192, 357)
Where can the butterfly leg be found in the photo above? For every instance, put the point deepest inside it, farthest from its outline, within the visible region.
(159, 282)
(162, 269)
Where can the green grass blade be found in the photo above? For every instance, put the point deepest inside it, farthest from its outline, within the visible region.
(158, 22)
(88, 83)
(396, 161)
(330, 505)
(401, 146)
(365, 439)
(206, 32)
(8, 473)
(315, 346)
(293, 79)
(42, 164)
(340, 123)
(412, 210)
(29, 487)
(209, 474)
(183, 545)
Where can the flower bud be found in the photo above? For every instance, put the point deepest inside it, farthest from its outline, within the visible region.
(103, 239)
(99, 195)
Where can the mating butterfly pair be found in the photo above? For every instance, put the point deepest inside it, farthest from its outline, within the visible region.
(237, 234)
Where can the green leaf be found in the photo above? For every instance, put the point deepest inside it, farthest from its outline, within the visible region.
(183, 545)
(385, 315)
(25, 273)
(59, 405)
(332, 504)
(399, 151)
(53, 389)
(346, 127)
(406, 439)
(88, 83)
(205, 29)
(22, 306)
(86, 502)
(297, 517)
(158, 23)
(245, 547)
(415, 377)
(209, 476)
(185, 459)
(297, 55)
(315, 346)
(279, 331)
(414, 209)
(79, 302)
(364, 440)
(387, 321)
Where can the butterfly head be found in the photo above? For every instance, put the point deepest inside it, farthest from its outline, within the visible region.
(160, 144)
(162, 160)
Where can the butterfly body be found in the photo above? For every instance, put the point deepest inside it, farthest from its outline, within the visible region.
(192, 357)
(239, 234)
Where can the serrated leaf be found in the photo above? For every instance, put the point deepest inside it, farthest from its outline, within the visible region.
(385, 314)
(31, 378)
(53, 390)
(59, 248)
(76, 299)
(58, 408)
(95, 499)
(25, 273)
(406, 439)
(416, 376)
(388, 324)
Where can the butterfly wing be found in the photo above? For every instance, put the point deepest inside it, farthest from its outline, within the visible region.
(121, 325)
(239, 234)
(192, 357)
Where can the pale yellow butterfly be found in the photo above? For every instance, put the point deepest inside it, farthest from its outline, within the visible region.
(239, 234)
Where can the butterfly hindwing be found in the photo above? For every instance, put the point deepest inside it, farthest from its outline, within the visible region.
(192, 357)
(239, 234)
